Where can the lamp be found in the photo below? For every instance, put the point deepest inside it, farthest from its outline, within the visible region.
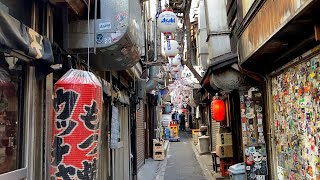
(217, 109)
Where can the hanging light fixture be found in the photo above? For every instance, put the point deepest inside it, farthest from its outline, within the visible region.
(217, 109)
(167, 21)
(76, 116)
(176, 61)
(171, 48)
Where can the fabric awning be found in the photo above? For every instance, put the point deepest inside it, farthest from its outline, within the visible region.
(15, 36)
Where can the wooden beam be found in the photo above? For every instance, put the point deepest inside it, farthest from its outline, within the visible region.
(317, 31)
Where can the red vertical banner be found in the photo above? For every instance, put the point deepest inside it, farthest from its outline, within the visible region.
(75, 126)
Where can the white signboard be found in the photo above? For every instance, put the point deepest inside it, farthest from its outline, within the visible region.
(115, 128)
(166, 118)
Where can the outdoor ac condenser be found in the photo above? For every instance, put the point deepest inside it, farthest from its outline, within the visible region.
(118, 35)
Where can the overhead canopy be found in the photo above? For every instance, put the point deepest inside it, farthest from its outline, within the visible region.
(280, 39)
(18, 38)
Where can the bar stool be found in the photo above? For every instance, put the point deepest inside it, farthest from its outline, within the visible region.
(214, 160)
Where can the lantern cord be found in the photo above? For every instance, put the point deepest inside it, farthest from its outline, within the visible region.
(89, 35)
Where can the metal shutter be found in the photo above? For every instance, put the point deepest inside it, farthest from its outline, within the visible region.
(140, 132)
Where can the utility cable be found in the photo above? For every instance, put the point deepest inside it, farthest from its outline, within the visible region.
(88, 61)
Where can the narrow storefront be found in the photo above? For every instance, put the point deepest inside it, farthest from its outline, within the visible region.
(24, 57)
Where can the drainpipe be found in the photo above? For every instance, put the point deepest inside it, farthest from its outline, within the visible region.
(153, 70)
(153, 78)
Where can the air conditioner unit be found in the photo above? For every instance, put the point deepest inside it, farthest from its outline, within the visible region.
(117, 35)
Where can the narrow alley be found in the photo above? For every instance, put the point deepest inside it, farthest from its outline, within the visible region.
(182, 162)
(159, 89)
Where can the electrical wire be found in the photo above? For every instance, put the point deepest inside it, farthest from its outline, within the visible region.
(88, 61)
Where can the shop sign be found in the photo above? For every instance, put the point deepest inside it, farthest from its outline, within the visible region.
(75, 130)
(167, 22)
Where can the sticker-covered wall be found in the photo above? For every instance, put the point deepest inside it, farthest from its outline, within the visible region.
(255, 153)
(296, 108)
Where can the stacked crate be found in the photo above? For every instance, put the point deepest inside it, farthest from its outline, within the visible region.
(224, 151)
(158, 150)
(195, 134)
(224, 145)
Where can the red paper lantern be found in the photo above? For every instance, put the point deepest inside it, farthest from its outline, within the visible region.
(217, 109)
(75, 126)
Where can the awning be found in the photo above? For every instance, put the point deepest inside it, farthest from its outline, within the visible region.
(224, 74)
(17, 38)
(283, 38)
(220, 62)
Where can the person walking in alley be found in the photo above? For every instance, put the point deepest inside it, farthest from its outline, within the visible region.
(173, 116)
(182, 122)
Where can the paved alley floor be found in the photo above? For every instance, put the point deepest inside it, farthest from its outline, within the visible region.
(150, 169)
(181, 161)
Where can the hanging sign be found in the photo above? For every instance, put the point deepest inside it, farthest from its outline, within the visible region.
(171, 48)
(167, 22)
(75, 126)
(176, 61)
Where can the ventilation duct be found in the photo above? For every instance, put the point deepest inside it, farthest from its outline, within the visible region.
(218, 30)
(153, 78)
(225, 73)
(117, 35)
(202, 37)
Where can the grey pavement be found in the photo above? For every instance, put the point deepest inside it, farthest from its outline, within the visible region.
(149, 170)
(181, 162)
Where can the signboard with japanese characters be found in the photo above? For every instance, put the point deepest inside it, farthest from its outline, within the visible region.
(75, 127)
(296, 112)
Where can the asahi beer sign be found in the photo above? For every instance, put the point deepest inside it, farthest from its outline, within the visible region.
(167, 22)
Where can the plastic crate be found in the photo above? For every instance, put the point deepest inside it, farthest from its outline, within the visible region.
(224, 139)
(158, 156)
(224, 151)
(225, 163)
(158, 146)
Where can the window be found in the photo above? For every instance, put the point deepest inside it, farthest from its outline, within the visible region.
(10, 117)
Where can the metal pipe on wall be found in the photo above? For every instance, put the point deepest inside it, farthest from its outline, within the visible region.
(153, 78)
(153, 70)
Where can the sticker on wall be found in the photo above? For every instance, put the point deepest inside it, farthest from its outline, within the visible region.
(255, 151)
(296, 115)
(99, 38)
(104, 26)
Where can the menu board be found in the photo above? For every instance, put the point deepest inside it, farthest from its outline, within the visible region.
(255, 153)
(296, 121)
